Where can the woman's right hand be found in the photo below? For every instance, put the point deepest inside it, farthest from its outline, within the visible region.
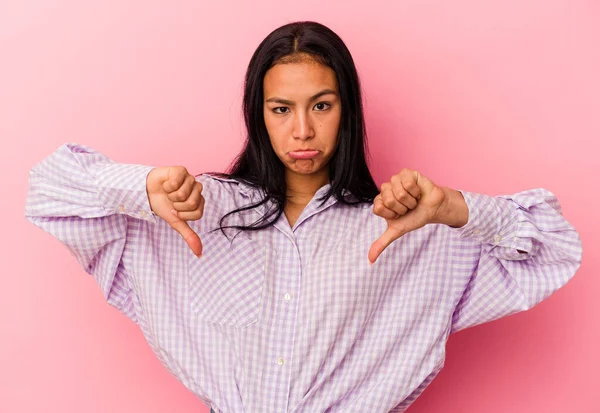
(176, 197)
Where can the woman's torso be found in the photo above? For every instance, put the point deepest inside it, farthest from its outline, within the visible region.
(298, 320)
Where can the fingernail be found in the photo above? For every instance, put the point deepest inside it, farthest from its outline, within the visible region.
(174, 212)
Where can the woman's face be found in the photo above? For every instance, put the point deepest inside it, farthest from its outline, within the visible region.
(302, 113)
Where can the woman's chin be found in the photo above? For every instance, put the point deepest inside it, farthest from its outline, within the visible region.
(304, 167)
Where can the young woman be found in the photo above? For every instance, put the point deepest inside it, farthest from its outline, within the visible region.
(302, 287)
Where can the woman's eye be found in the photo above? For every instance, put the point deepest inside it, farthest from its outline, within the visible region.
(280, 110)
(322, 106)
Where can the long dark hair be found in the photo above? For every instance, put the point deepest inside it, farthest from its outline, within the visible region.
(257, 164)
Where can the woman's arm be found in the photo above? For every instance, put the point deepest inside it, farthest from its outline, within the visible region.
(518, 250)
(88, 202)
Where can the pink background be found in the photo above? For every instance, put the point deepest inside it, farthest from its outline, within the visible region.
(493, 97)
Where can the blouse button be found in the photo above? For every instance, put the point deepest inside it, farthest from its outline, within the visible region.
(280, 361)
(287, 297)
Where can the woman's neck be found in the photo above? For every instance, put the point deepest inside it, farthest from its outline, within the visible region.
(302, 188)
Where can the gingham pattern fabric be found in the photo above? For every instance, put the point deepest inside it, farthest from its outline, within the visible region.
(296, 319)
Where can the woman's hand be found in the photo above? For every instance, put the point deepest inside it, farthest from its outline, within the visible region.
(176, 197)
(410, 201)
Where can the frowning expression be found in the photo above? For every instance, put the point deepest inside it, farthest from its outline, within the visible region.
(302, 113)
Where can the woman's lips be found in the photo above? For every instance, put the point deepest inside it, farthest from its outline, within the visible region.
(303, 154)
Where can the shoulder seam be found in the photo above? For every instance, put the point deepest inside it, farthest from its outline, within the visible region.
(218, 178)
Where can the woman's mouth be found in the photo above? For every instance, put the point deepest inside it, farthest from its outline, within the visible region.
(303, 154)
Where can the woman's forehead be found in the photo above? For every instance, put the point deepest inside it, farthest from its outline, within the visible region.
(299, 78)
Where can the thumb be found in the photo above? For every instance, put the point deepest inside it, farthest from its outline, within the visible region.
(191, 238)
(389, 236)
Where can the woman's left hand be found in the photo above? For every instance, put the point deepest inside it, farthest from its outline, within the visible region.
(410, 201)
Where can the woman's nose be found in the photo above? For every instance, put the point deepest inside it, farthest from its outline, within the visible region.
(302, 128)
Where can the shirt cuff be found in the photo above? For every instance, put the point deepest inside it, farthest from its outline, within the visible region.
(122, 189)
(497, 222)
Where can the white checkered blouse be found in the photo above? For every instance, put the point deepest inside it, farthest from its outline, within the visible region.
(296, 319)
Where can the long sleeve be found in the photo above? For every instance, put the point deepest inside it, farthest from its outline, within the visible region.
(88, 202)
(520, 248)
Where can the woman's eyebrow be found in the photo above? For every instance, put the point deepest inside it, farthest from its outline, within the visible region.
(290, 103)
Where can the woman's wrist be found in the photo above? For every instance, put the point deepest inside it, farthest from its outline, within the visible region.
(454, 212)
